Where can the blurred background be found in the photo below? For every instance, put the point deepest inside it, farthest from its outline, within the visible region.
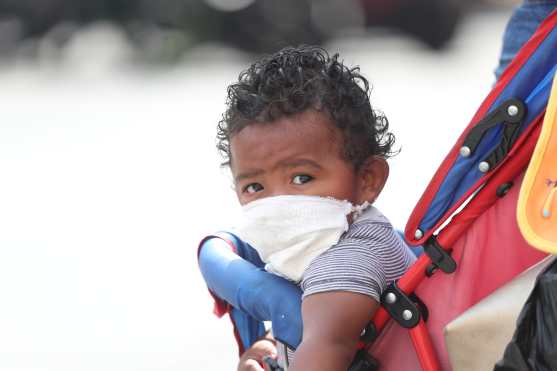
(109, 174)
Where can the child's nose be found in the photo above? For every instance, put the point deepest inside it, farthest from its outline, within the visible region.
(281, 191)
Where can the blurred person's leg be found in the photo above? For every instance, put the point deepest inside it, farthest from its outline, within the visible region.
(434, 22)
(521, 26)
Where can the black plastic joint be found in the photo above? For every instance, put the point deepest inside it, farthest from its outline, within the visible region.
(440, 258)
(369, 334)
(400, 307)
(503, 189)
(497, 116)
(363, 362)
(509, 114)
(271, 364)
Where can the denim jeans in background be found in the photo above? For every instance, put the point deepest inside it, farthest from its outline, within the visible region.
(521, 26)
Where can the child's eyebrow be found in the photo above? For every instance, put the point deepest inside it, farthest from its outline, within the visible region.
(248, 174)
(299, 162)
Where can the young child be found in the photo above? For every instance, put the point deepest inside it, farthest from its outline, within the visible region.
(308, 156)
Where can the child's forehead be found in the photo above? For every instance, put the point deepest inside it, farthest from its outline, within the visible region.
(309, 125)
(309, 132)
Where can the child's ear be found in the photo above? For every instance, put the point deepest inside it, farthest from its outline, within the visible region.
(372, 177)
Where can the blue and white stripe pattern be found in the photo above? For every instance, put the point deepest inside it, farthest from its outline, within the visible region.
(368, 257)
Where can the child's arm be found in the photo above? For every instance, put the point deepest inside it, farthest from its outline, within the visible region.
(333, 323)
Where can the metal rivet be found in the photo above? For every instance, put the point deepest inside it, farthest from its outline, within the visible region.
(418, 234)
(465, 151)
(390, 298)
(407, 315)
(484, 166)
(512, 110)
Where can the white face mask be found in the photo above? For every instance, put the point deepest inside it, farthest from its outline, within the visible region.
(288, 232)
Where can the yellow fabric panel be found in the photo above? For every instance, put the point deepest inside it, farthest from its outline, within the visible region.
(537, 203)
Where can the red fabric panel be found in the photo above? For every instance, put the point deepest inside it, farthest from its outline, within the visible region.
(488, 255)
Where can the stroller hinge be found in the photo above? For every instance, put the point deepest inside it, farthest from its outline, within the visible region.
(400, 306)
(364, 362)
(440, 258)
(369, 334)
(510, 114)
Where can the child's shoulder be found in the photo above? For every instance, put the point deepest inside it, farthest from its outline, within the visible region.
(372, 230)
(370, 217)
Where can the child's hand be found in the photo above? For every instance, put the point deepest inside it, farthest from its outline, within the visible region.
(253, 357)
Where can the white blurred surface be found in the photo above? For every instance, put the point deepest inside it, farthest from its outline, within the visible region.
(109, 177)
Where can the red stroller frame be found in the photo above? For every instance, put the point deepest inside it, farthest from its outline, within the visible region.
(445, 239)
(505, 164)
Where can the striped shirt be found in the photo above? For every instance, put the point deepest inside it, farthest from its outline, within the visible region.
(368, 257)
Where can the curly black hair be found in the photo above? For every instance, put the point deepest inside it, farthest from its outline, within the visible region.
(295, 80)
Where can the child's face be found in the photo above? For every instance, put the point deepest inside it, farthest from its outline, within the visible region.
(300, 155)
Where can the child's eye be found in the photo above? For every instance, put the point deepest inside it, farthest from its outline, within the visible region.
(253, 187)
(301, 179)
